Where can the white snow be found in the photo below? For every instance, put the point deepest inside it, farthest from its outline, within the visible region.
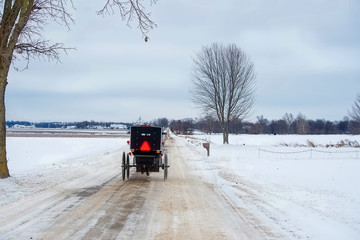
(297, 191)
(300, 192)
(38, 163)
(25, 153)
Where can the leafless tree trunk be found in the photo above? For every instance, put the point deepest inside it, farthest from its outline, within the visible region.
(223, 84)
(14, 18)
(355, 113)
(301, 124)
(23, 21)
(289, 119)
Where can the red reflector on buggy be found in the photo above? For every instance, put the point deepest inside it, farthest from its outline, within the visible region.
(145, 147)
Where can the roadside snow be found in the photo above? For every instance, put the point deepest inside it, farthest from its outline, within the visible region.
(38, 163)
(26, 153)
(302, 192)
(297, 191)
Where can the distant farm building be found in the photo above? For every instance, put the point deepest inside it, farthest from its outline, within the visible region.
(118, 126)
(18, 126)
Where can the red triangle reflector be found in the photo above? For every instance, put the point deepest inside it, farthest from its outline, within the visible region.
(145, 147)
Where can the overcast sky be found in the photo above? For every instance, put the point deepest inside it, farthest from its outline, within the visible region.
(306, 56)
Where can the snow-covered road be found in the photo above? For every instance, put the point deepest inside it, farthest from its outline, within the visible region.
(233, 194)
(99, 205)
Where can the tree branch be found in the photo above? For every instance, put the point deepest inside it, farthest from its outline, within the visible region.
(40, 49)
(129, 10)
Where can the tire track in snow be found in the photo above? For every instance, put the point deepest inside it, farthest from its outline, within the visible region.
(102, 206)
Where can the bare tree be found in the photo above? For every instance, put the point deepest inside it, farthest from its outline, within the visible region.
(263, 124)
(21, 27)
(301, 124)
(210, 123)
(289, 119)
(163, 122)
(223, 80)
(355, 113)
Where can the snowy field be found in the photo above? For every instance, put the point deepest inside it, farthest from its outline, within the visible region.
(27, 153)
(39, 163)
(298, 187)
(308, 192)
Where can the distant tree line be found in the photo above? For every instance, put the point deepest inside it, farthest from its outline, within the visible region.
(78, 125)
(300, 125)
(287, 125)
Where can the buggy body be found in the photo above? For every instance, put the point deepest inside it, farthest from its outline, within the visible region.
(146, 148)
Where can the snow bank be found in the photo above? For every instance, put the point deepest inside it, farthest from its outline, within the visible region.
(26, 153)
(38, 163)
(279, 140)
(300, 192)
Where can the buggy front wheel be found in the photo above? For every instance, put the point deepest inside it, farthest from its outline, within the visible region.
(165, 167)
(123, 167)
(127, 166)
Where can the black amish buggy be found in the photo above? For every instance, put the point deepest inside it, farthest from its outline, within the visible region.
(146, 148)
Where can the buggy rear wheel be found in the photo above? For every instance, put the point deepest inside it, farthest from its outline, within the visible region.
(123, 166)
(165, 167)
(127, 166)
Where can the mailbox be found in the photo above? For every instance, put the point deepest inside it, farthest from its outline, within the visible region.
(207, 146)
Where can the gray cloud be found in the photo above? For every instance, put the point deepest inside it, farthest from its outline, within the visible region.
(306, 54)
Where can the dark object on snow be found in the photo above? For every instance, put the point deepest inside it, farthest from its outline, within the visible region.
(146, 148)
(207, 146)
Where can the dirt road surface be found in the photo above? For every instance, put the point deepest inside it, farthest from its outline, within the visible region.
(102, 206)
